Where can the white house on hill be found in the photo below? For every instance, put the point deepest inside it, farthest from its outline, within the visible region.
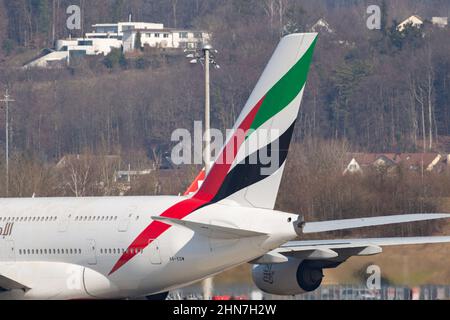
(441, 22)
(164, 38)
(107, 36)
(415, 21)
(322, 25)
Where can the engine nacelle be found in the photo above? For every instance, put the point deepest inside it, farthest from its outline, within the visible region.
(289, 278)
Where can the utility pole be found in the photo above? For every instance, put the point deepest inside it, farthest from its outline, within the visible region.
(207, 59)
(206, 50)
(7, 99)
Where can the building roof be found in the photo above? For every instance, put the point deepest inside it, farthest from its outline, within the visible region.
(322, 24)
(408, 159)
(415, 20)
(163, 30)
(367, 159)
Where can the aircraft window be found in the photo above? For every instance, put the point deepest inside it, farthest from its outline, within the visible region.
(115, 218)
(67, 251)
(57, 251)
(110, 251)
(45, 251)
(32, 251)
(101, 251)
(20, 251)
(71, 251)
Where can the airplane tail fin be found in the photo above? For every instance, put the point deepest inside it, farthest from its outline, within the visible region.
(249, 168)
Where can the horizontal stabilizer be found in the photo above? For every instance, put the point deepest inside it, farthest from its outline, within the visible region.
(345, 248)
(352, 243)
(336, 225)
(210, 230)
(10, 284)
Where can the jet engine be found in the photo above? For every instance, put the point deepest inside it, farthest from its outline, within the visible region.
(288, 278)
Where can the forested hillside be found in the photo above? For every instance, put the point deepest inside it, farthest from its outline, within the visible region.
(375, 91)
(380, 90)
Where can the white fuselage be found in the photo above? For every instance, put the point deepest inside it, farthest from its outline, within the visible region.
(65, 248)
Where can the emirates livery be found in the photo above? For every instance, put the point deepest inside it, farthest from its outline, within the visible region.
(133, 247)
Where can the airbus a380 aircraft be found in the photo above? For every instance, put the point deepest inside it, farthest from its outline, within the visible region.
(94, 248)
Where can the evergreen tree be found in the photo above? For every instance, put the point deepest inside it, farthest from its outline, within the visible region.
(138, 41)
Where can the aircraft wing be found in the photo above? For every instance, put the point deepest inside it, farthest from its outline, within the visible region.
(335, 225)
(340, 250)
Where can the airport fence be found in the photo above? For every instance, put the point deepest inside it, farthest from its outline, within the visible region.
(331, 292)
